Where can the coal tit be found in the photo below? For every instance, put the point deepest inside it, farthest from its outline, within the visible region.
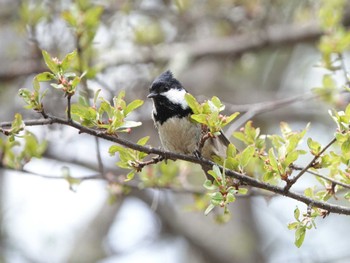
(171, 115)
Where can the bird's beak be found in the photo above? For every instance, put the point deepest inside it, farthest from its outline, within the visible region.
(152, 95)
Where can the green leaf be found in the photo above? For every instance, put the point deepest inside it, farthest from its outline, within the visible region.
(36, 84)
(192, 103)
(143, 140)
(105, 107)
(216, 101)
(217, 172)
(209, 209)
(293, 225)
(328, 82)
(231, 150)
(230, 198)
(347, 196)
(68, 60)
(130, 176)
(345, 147)
(242, 191)
(250, 131)
(17, 123)
(75, 82)
(52, 65)
(309, 192)
(132, 106)
(92, 16)
(45, 76)
(300, 236)
(291, 158)
(130, 124)
(240, 136)
(88, 115)
(96, 96)
(232, 163)
(246, 155)
(314, 146)
(296, 213)
(200, 118)
(208, 184)
(32, 147)
(216, 198)
(119, 100)
(230, 118)
(69, 18)
(272, 159)
(116, 148)
(26, 96)
(347, 111)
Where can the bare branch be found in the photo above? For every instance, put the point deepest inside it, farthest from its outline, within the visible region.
(5, 132)
(99, 158)
(323, 177)
(69, 117)
(291, 182)
(241, 177)
(272, 36)
(254, 109)
(120, 180)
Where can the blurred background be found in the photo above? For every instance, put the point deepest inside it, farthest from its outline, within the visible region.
(259, 56)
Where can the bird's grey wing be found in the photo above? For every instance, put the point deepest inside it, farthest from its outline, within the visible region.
(223, 139)
(215, 146)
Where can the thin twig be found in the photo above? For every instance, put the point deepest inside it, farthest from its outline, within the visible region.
(139, 165)
(5, 132)
(37, 122)
(60, 177)
(254, 109)
(99, 158)
(323, 177)
(205, 136)
(69, 117)
(136, 185)
(291, 182)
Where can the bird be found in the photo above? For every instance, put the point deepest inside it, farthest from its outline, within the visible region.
(172, 118)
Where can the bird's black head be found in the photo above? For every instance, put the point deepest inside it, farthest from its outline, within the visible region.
(168, 97)
(163, 83)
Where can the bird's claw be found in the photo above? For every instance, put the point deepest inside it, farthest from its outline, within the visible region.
(197, 154)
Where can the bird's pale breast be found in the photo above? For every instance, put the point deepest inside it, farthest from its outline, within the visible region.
(179, 135)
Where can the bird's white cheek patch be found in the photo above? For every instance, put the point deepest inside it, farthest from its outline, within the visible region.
(177, 97)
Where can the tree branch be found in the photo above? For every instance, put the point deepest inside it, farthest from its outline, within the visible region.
(99, 158)
(272, 36)
(69, 117)
(120, 180)
(324, 177)
(253, 109)
(291, 182)
(149, 150)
